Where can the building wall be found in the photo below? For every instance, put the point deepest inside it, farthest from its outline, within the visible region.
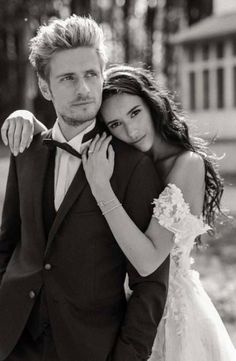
(222, 6)
(207, 81)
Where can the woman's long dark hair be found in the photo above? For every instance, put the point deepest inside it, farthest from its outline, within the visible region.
(169, 124)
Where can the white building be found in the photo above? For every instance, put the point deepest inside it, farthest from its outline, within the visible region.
(206, 78)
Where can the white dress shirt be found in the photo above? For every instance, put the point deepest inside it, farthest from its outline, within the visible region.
(66, 164)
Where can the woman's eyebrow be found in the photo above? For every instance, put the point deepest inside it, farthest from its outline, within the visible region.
(132, 109)
(112, 121)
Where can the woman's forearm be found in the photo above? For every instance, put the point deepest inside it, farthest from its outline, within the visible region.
(144, 251)
(38, 126)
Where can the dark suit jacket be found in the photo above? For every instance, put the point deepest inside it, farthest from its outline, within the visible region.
(89, 316)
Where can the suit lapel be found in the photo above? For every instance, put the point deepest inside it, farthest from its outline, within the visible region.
(74, 191)
(39, 171)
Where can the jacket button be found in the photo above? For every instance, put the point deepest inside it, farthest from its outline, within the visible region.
(32, 294)
(47, 266)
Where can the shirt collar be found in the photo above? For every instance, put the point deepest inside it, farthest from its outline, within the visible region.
(76, 141)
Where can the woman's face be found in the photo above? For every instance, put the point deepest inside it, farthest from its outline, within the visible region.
(129, 119)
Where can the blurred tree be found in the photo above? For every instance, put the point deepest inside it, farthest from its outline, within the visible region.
(81, 7)
(150, 20)
(135, 30)
(18, 22)
(126, 30)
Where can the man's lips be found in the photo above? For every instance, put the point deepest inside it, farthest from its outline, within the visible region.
(84, 102)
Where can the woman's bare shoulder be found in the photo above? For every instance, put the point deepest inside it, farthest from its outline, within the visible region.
(188, 174)
(188, 164)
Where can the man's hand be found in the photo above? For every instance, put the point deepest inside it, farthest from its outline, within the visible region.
(17, 131)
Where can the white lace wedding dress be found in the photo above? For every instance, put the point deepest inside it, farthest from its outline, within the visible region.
(191, 328)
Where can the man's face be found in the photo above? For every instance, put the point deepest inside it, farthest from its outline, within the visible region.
(75, 85)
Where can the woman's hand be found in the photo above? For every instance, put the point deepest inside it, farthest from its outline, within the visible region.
(98, 163)
(17, 131)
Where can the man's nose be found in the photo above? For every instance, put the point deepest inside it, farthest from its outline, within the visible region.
(82, 88)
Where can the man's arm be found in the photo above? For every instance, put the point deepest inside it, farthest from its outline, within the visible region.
(11, 224)
(146, 304)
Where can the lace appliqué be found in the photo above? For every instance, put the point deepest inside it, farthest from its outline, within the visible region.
(173, 213)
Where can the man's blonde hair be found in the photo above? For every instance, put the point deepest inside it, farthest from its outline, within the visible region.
(73, 32)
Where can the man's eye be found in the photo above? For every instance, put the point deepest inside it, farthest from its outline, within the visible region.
(91, 74)
(67, 77)
(135, 112)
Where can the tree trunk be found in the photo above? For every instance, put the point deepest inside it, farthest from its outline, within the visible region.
(81, 7)
(150, 28)
(126, 38)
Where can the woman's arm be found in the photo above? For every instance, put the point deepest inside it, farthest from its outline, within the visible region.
(146, 251)
(18, 130)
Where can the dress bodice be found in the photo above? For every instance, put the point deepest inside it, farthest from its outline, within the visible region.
(190, 329)
(174, 214)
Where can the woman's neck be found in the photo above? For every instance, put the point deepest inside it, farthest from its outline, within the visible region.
(162, 150)
(164, 156)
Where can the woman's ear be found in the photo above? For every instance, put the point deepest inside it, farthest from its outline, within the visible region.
(44, 88)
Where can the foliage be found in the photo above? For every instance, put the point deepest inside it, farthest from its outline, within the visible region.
(136, 31)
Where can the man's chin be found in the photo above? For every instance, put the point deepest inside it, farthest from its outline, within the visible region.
(78, 120)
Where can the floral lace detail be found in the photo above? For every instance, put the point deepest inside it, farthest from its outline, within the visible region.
(173, 213)
(190, 326)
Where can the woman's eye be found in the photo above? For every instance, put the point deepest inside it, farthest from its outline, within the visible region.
(114, 125)
(135, 112)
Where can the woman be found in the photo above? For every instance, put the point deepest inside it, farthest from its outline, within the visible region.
(136, 111)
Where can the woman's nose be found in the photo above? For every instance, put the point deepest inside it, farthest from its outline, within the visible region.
(132, 132)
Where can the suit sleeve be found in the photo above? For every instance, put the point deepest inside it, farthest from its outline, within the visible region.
(146, 304)
(10, 224)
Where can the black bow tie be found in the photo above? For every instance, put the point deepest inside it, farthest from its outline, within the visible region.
(52, 144)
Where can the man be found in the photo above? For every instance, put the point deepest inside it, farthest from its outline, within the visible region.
(61, 270)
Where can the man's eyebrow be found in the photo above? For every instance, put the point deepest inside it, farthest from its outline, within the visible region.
(91, 69)
(63, 74)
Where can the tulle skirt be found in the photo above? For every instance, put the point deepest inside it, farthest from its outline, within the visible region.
(191, 328)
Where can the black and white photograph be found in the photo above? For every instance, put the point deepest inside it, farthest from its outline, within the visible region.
(117, 180)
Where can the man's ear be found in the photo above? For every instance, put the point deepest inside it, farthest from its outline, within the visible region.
(44, 87)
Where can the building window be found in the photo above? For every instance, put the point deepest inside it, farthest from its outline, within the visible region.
(220, 88)
(191, 54)
(234, 85)
(192, 86)
(234, 46)
(219, 49)
(206, 89)
(205, 52)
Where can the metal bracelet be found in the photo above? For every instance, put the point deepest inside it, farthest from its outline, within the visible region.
(111, 209)
(104, 203)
